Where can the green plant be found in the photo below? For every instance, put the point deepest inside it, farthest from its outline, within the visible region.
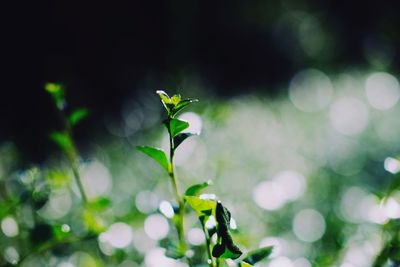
(64, 138)
(206, 208)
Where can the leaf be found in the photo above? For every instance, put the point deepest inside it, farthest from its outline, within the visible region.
(257, 255)
(182, 104)
(100, 203)
(203, 207)
(166, 100)
(62, 140)
(77, 115)
(176, 126)
(157, 154)
(245, 264)
(56, 90)
(181, 137)
(164, 96)
(194, 190)
(226, 248)
(175, 99)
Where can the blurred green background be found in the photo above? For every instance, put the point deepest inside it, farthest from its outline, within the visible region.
(299, 122)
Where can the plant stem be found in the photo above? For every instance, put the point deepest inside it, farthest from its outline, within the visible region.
(72, 156)
(211, 261)
(179, 222)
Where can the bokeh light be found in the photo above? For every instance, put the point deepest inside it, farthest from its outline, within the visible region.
(309, 225)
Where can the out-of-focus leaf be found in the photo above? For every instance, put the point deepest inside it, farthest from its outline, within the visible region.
(203, 207)
(57, 92)
(176, 126)
(57, 178)
(181, 137)
(172, 249)
(194, 190)
(100, 204)
(61, 231)
(226, 248)
(257, 255)
(182, 104)
(93, 221)
(62, 140)
(157, 154)
(245, 264)
(77, 115)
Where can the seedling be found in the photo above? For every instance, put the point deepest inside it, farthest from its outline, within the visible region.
(224, 248)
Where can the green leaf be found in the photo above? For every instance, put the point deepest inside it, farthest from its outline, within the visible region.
(257, 255)
(77, 115)
(56, 90)
(182, 104)
(157, 154)
(175, 99)
(226, 248)
(194, 190)
(176, 126)
(165, 100)
(164, 96)
(100, 203)
(245, 264)
(203, 207)
(62, 140)
(181, 137)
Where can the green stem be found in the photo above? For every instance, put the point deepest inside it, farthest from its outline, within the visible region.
(179, 223)
(77, 176)
(73, 160)
(211, 260)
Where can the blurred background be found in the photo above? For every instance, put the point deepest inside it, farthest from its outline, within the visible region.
(298, 116)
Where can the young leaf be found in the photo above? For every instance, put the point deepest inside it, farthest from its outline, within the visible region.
(226, 248)
(203, 207)
(182, 104)
(257, 255)
(77, 115)
(157, 154)
(166, 100)
(194, 190)
(175, 99)
(56, 90)
(176, 126)
(181, 137)
(62, 140)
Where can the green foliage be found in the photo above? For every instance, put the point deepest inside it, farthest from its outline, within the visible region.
(194, 190)
(203, 207)
(78, 115)
(57, 91)
(176, 126)
(157, 154)
(63, 140)
(257, 255)
(225, 248)
(179, 138)
(174, 104)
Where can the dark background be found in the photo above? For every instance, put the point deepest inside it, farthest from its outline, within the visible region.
(107, 52)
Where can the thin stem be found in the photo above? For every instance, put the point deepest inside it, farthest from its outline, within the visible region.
(179, 223)
(73, 159)
(211, 261)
